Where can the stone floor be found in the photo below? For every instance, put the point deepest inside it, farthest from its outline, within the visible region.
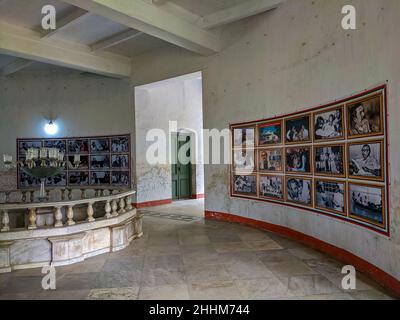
(181, 256)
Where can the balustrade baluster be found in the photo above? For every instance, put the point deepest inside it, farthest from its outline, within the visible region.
(90, 212)
(63, 194)
(129, 206)
(58, 217)
(83, 193)
(114, 207)
(101, 193)
(5, 220)
(108, 209)
(7, 197)
(70, 215)
(23, 196)
(32, 219)
(48, 194)
(69, 194)
(121, 206)
(32, 196)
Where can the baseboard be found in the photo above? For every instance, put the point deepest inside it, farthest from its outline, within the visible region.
(152, 203)
(380, 276)
(198, 196)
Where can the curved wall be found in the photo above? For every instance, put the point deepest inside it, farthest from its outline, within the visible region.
(295, 57)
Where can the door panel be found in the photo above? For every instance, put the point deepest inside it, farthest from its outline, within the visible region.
(181, 173)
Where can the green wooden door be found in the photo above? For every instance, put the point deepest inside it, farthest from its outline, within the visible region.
(181, 172)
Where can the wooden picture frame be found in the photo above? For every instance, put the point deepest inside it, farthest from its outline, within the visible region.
(327, 131)
(295, 124)
(362, 163)
(244, 181)
(250, 155)
(298, 160)
(360, 119)
(296, 190)
(269, 158)
(330, 192)
(271, 196)
(327, 162)
(244, 144)
(360, 202)
(271, 134)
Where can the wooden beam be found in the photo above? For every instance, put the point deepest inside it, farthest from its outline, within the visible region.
(155, 21)
(241, 11)
(115, 39)
(15, 66)
(27, 44)
(69, 20)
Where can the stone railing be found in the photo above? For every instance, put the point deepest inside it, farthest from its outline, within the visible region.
(74, 224)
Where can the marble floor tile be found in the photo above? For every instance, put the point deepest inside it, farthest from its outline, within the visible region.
(160, 250)
(172, 292)
(211, 273)
(263, 245)
(306, 254)
(370, 295)
(129, 293)
(162, 277)
(222, 247)
(307, 285)
(289, 268)
(223, 237)
(262, 289)
(170, 262)
(253, 235)
(219, 290)
(193, 239)
(248, 270)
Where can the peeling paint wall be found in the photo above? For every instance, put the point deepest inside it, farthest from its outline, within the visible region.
(84, 105)
(295, 57)
(177, 100)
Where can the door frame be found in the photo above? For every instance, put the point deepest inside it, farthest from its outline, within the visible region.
(189, 134)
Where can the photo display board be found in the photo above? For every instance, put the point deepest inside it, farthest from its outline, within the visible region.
(105, 160)
(330, 160)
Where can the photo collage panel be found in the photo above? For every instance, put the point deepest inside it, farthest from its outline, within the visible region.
(102, 161)
(330, 160)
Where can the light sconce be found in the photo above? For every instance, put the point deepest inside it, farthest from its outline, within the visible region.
(51, 128)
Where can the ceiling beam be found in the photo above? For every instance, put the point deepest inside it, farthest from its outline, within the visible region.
(115, 39)
(155, 21)
(15, 66)
(241, 11)
(68, 20)
(27, 44)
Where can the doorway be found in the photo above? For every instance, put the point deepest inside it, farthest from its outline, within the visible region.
(181, 170)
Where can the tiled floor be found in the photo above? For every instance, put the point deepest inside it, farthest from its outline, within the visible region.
(196, 259)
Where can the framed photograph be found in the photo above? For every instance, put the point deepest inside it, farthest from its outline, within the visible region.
(329, 124)
(120, 178)
(271, 187)
(78, 178)
(120, 144)
(367, 204)
(299, 191)
(26, 181)
(100, 145)
(245, 185)
(331, 196)
(59, 144)
(298, 160)
(100, 162)
(270, 133)
(23, 146)
(57, 181)
(99, 177)
(78, 146)
(366, 160)
(84, 165)
(298, 130)
(365, 117)
(270, 160)
(120, 161)
(244, 160)
(244, 137)
(330, 160)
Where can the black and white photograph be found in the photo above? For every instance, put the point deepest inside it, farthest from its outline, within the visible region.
(244, 160)
(329, 124)
(366, 160)
(23, 146)
(100, 162)
(299, 190)
(26, 181)
(84, 165)
(244, 137)
(57, 181)
(61, 145)
(298, 130)
(99, 177)
(245, 185)
(270, 160)
(120, 178)
(329, 160)
(120, 144)
(330, 196)
(365, 117)
(80, 178)
(78, 146)
(367, 203)
(271, 187)
(120, 161)
(100, 145)
(298, 160)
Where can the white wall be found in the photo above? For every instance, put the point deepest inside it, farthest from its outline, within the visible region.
(296, 57)
(84, 105)
(179, 100)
